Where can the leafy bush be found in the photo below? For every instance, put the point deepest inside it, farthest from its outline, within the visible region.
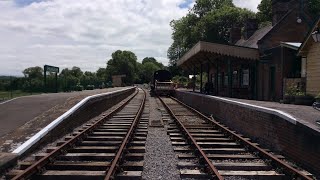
(79, 87)
(318, 96)
(90, 87)
(299, 93)
(292, 90)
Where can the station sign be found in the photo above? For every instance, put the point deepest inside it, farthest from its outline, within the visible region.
(48, 68)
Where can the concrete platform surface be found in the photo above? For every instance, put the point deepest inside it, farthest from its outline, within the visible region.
(25, 116)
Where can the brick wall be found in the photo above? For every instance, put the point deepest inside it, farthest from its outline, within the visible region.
(292, 139)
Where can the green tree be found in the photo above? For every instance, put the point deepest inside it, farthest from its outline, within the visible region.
(209, 20)
(152, 60)
(184, 35)
(202, 7)
(33, 72)
(89, 78)
(148, 69)
(69, 79)
(314, 8)
(265, 11)
(139, 71)
(215, 26)
(76, 72)
(101, 74)
(123, 62)
(33, 80)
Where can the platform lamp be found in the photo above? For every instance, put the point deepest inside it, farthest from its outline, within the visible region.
(316, 35)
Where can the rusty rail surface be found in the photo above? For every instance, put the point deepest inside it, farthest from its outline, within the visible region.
(212, 169)
(116, 160)
(39, 165)
(262, 153)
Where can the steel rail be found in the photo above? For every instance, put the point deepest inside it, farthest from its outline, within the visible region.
(114, 165)
(37, 166)
(276, 161)
(211, 167)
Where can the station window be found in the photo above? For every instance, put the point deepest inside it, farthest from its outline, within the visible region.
(219, 80)
(213, 80)
(245, 77)
(235, 79)
(226, 82)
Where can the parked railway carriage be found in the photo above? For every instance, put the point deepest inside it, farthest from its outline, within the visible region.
(161, 83)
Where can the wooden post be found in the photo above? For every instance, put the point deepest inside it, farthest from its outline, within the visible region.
(201, 72)
(217, 78)
(229, 78)
(56, 82)
(45, 79)
(194, 78)
(208, 73)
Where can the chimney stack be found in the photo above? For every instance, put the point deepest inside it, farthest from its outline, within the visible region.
(235, 34)
(279, 9)
(251, 26)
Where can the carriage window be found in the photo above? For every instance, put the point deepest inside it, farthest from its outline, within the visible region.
(245, 77)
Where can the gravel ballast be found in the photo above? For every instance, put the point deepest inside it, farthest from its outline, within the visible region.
(160, 161)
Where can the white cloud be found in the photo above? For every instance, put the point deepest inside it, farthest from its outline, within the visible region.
(84, 33)
(249, 4)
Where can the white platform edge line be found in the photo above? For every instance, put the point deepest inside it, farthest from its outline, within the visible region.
(35, 138)
(276, 112)
(9, 100)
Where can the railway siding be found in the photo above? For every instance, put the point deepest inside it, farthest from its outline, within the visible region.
(268, 129)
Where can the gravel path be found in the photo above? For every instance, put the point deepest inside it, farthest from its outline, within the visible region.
(160, 161)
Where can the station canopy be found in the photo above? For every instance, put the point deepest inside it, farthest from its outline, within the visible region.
(205, 51)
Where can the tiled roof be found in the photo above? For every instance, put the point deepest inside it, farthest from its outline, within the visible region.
(252, 42)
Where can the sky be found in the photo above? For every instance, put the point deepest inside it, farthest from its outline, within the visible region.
(85, 33)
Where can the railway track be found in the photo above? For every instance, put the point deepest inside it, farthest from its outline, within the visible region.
(207, 149)
(111, 147)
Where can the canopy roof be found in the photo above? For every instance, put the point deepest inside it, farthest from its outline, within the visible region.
(209, 49)
(291, 45)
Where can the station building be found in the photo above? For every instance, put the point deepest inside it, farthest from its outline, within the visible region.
(257, 63)
(310, 53)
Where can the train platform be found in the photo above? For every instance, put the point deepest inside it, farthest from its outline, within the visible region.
(304, 114)
(22, 117)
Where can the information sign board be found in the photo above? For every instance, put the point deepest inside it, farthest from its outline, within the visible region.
(51, 69)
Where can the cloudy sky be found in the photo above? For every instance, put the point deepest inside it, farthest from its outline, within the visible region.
(84, 33)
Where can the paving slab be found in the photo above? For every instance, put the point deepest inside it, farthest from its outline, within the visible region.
(22, 117)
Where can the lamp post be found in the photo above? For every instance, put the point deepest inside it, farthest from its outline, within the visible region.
(316, 35)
